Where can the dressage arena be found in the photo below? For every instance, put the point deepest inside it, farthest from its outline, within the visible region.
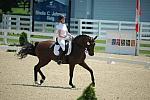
(116, 81)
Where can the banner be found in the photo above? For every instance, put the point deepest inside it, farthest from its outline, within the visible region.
(49, 10)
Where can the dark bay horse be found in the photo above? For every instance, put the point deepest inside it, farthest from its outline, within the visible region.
(44, 51)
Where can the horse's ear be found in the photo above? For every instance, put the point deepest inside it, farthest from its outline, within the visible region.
(95, 37)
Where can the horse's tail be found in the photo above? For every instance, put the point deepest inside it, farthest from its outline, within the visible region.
(28, 48)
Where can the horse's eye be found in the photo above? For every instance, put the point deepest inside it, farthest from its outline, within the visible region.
(88, 43)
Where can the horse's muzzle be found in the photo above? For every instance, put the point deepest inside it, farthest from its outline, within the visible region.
(91, 54)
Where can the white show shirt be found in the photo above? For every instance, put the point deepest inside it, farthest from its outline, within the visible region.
(62, 34)
(61, 30)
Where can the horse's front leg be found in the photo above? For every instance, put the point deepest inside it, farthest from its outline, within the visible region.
(84, 65)
(71, 69)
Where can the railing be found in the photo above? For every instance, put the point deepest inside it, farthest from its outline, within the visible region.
(100, 27)
(12, 34)
(78, 26)
(5, 35)
(17, 22)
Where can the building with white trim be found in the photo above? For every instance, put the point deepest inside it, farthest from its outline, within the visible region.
(118, 10)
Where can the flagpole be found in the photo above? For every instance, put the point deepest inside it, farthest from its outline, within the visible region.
(138, 43)
(137, 19)
(139, 11)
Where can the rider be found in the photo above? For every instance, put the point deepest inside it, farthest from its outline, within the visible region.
(62, 35)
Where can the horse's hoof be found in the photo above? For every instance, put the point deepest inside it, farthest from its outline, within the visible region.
(59, 62)
(73, 86)
(41, 81)
(37, 84)
(93, 84)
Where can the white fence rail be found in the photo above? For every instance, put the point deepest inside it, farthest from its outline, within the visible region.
(78, 26)
(5, 35)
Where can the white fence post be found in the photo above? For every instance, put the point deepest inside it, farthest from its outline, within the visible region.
(29, 36)
(30, 29)
(44, 27)
(18, 23)
(5, 37)
(4, 22)
(80, 26)
(9, 22)
(119, 26)
(99, 28)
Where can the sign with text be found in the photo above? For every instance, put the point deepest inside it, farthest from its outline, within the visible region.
(121, 42)
(49, 10)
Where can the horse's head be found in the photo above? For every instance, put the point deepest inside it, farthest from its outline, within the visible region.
(86, 42)
(90, 44)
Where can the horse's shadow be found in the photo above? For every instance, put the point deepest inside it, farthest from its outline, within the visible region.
(41, 86)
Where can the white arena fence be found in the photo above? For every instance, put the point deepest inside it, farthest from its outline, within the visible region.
(5, 35)
(17, 24)
(78, 26)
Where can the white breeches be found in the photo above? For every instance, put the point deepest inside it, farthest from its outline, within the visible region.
(62, 43)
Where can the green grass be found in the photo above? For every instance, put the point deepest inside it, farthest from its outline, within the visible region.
(33, 36)
(12, 34)
(144, 52)
(19, 11)
(50, 29)
(144, 45)
(101, 41)
(99, 49)
(13, 41)
(1, 39)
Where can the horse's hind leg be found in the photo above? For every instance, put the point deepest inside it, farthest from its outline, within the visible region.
(43, 77)
(37, 69)
(35, 73)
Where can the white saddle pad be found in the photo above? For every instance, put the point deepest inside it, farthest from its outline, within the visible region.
(57, 47)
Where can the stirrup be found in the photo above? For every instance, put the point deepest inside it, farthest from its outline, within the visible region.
(59, 62)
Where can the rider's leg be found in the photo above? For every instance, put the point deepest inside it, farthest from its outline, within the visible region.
(61, 51)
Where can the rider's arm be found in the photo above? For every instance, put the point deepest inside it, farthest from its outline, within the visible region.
(61, 33)
(69, 34)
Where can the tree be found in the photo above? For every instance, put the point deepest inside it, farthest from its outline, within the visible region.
(6, 5)
(24, 4)
(88, 94)
(23, 38)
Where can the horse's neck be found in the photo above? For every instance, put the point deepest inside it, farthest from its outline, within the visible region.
(79, 41)
(77, 49)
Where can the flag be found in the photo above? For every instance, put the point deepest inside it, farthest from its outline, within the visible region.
(138, 13)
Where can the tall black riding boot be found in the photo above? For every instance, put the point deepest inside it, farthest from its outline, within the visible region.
(61, 53)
